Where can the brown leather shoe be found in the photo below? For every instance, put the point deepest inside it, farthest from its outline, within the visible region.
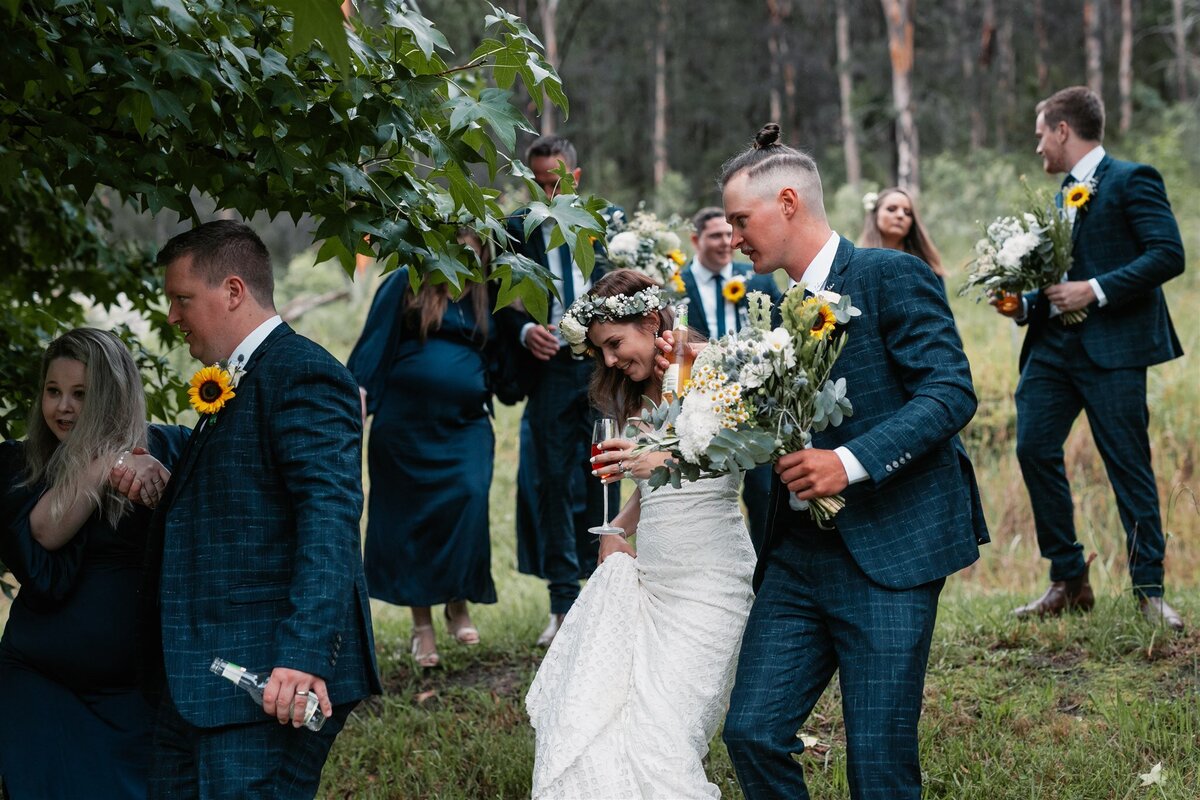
(547, 636)
(1072, 595)
(1157, 612)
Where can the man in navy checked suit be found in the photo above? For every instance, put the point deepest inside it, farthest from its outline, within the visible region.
(255, 553)
(859, 600)
(1126, 244)
(712, 314)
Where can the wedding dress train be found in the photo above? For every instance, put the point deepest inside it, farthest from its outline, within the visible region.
(638, 678)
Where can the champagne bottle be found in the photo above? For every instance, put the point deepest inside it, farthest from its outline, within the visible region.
(254, 685)
(679, 375)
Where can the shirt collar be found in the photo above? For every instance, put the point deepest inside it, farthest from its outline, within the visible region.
(1085, 166)
(817, 272)
(704, 275)
(241, 354)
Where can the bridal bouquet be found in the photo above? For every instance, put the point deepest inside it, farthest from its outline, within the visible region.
(1023, 253)
(756, 395)
(650, 246)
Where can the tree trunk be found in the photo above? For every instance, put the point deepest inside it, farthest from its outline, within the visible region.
(1042, 50)
(1005, 107)
(1179, 28)
(1092, 46)
(548, 10)
(899, 14)
(775, 56)
(845, 92)
(984, 85)
(1125, 67)
(659, 144)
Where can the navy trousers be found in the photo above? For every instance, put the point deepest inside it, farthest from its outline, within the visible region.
(756, 492)
(1058, 381)
(561, 420)
(817, 613)
(257, 761)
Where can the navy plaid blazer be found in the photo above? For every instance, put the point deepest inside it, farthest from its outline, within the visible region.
(754, 283)
(1126, 237)
(918, 516)
(256, 548)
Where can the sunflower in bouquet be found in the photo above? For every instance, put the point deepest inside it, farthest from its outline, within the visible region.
(650, 246)
(1022, 253)
(757, 395)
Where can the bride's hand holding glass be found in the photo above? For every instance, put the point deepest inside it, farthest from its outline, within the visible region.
(613, 459)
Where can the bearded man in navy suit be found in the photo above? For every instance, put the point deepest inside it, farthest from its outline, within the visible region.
(716, 290)
(1125, 246)
(255, 552)
(861, 599)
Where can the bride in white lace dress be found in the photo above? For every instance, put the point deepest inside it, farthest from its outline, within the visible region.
(636, 682)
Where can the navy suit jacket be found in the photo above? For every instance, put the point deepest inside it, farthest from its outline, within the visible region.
(256, 547)
(917, 517)
(1128, 240)
(697, 320)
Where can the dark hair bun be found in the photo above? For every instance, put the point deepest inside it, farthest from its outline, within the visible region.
(768, 136)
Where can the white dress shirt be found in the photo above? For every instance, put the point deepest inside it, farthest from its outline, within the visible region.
(815, 276)
(578, 282)
(241, 353)
(706, 284)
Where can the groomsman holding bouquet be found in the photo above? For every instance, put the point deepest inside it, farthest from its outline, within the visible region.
(716, 290)
(1125, 246)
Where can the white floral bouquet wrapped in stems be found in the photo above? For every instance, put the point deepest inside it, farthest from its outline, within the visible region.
(650, 246)
(1023, 253)
(757, 395)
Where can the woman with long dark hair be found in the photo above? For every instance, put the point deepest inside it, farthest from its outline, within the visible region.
(76, 722)
(637, 679)
(892, 223)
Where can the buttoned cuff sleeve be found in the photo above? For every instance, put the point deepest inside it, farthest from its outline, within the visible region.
(855, 471)
(1101, 298)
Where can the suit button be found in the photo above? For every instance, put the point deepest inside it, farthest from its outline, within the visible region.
(908, 455)
(888, 467)
(895, 465)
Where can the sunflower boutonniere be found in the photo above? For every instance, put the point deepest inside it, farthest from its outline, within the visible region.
(210, 388)
(1078, 194)
(735, 289)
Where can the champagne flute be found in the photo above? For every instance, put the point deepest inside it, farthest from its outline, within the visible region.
(603, 429)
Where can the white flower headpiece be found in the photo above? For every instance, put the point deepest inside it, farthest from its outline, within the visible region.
(869, 201)
(588, 309)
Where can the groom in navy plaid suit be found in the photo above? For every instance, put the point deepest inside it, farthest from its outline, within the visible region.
(859, 600)
(1126, 244)
(254, 553)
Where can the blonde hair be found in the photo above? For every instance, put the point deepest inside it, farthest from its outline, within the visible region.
(113, 419)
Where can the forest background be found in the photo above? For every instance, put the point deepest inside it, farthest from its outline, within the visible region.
(938, 96)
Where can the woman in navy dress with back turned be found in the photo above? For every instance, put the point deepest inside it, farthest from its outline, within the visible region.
(76, 722)
(422, 363)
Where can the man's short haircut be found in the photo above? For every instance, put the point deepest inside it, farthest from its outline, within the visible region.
(223, 248)
(769, 158)
(1078, 106)
(701, 217)
(552, 145)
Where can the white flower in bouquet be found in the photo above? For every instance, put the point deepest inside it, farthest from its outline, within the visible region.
(571, 329)
(623, 247)
(1016, 248)
(666, 242)
(779, 342)
(755, 372)
(696, 425)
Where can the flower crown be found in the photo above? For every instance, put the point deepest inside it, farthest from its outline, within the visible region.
(869, 201)
(589, 308)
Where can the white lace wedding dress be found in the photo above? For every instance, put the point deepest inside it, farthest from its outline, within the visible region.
(638, 677)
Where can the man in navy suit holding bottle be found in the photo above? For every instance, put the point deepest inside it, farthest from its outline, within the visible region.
(716, 290)
(1125, 246)
(255, 551)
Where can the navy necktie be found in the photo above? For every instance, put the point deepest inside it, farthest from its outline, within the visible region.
(568, 276)
(717, 280)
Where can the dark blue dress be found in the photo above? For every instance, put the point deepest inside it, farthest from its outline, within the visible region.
(76, 724)
(429, 455)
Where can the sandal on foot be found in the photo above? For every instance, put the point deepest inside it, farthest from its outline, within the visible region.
(427, 659)
(463, 634)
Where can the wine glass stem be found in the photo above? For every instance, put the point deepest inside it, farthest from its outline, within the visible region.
(604, 487)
